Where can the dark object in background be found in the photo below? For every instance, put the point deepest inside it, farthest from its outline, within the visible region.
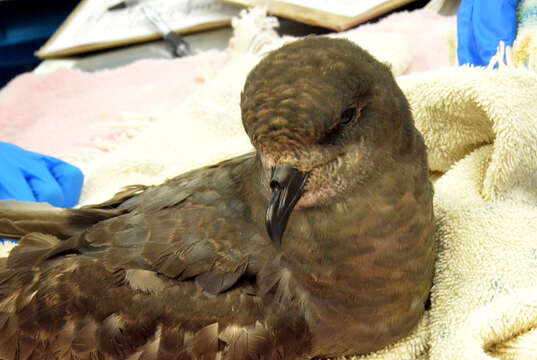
(24, 27)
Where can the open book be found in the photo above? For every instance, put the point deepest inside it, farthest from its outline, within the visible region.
(337, 15)
(91, 27)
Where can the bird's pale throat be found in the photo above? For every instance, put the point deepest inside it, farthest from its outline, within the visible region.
(287, 186)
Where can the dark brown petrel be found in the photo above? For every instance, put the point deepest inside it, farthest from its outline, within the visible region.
(319, 244)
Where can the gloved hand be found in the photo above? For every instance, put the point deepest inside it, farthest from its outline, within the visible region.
(481, 25)
(28, 176)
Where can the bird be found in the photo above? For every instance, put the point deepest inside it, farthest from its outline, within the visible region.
(317, 244)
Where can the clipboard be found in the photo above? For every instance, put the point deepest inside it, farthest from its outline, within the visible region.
(336, 15)
(91, 27)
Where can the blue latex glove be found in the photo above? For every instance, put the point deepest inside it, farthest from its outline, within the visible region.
(28, 176)
(481, 25)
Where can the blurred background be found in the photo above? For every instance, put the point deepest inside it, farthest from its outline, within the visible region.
(25, 25)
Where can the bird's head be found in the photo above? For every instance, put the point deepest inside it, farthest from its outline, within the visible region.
(323, 115)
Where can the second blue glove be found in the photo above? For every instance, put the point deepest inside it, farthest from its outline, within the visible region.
(481, 25)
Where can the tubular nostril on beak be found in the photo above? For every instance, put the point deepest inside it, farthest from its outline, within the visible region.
(281, 175)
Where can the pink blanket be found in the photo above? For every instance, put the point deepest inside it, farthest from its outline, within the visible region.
(428, 32)
(66, 111)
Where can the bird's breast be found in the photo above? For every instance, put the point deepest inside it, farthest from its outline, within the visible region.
(367, 265)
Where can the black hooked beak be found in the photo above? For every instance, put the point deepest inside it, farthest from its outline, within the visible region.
(287, 184)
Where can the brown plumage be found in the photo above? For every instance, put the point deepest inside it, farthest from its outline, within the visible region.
(187, 270)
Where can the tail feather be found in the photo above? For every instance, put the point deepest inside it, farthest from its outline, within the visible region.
(18, 219)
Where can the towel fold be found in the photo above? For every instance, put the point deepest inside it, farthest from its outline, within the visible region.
(479, 125)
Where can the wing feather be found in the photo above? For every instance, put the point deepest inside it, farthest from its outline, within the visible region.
(137, 276)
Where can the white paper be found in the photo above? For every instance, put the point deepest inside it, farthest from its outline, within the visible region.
(348, 8)
(93, 24)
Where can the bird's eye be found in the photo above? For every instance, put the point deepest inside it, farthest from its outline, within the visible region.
(348, 116)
